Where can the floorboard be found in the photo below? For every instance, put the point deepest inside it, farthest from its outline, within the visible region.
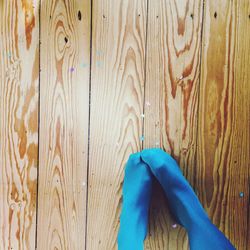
(19, 74)
(117, 91)
(85, 83)
(171, 101)
(64, 114)
(223, 126)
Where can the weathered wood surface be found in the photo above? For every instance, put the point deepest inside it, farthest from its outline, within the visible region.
(224, 110)
(19, 73)
(171, 101)
(117, 90)
(64, 105)
(184, 64)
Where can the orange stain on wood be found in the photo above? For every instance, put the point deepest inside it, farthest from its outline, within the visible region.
(20, 126)
(187, 89)
(59, 66)
(181, 21)
(181, 26)
(29, 20)
(22, 135)
(14, 193)
(33, 121)
(32, 154)
(35, 70)
(59, 131)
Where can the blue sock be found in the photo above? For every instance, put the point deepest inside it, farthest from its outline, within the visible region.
(184, 204)
(137, 189)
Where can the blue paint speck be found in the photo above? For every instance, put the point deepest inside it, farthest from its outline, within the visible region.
(98, 64)
(99, 52)
(241, 194)
(142, 138)
(84, 65)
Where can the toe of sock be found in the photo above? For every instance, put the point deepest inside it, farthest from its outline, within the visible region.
(156, 157)
(160, 162)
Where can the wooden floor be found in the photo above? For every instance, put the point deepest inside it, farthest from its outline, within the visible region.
(83, 84)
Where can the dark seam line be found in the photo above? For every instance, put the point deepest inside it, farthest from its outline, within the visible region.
(38, 118)
(248, 215)
(198, 94)
(90, 69)
(145, 74)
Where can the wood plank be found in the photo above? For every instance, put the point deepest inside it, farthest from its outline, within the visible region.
(224, 132)
(19, 71)
(171, 101)
(64, 99)
(117, 91)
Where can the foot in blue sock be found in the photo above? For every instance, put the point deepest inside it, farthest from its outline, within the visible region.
(137, 188)
(184, 204)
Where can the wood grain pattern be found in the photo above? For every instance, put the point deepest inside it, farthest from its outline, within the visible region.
(172, 78)
(224, 111)
(117, 91)
(193, 57)
(64, 99)
(19, 71)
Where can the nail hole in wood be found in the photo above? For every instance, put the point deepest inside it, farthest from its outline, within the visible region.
(249, 16)
(66, 39)
(215, 14)
(157, 16)
(49, 17)
(103, 16)
(79, 15)
(139, 14)
(192, 16)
